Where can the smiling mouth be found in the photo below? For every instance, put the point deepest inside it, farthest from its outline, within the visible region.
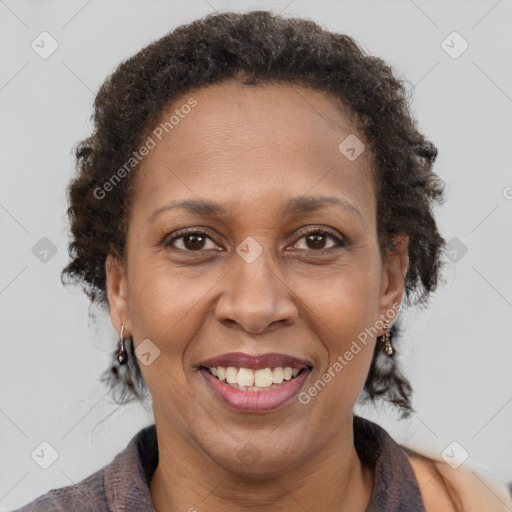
(247, 379)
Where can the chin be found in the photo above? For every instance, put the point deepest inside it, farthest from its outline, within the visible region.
(255, 459)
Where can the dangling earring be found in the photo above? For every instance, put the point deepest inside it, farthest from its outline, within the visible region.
(386, 339)
(121, 352)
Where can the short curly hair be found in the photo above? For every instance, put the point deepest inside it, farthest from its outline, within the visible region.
(257, 47)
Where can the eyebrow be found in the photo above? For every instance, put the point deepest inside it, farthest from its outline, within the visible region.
(294, 206)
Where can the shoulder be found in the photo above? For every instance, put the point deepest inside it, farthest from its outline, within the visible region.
(86, 496)
(120, 485)
(457, 490)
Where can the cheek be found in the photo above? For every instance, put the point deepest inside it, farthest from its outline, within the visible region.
(342, 312)
(344, 301)
(166, 306)
(167, 309)
(348, 345)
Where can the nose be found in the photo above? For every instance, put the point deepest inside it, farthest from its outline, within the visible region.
(256, 298)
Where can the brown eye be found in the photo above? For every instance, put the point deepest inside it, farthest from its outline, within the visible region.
(318, 240)
(193, 241)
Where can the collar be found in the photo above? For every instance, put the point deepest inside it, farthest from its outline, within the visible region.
(126, 479)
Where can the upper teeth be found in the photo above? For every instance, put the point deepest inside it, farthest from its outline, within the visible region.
(248, 377)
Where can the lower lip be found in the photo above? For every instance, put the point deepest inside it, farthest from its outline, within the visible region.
(255, 401)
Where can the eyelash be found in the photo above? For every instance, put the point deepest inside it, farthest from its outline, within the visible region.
(167, 242)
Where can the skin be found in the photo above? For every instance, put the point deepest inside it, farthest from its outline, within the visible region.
(251, 149)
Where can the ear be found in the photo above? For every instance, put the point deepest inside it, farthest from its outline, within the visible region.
(393, 275)
(117, 293)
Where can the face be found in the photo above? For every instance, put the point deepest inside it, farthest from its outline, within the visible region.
(280, 268)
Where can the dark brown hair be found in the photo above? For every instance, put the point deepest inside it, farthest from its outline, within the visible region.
(257, 47)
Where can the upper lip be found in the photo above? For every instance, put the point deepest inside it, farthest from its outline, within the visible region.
(256, 362)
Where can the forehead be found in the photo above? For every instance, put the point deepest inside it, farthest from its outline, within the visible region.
(243, 144)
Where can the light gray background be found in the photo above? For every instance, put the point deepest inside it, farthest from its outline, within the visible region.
(458, 353)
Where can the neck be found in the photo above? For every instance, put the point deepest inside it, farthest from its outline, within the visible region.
(187, 479)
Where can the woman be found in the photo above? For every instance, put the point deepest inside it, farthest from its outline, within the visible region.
(253, 208)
